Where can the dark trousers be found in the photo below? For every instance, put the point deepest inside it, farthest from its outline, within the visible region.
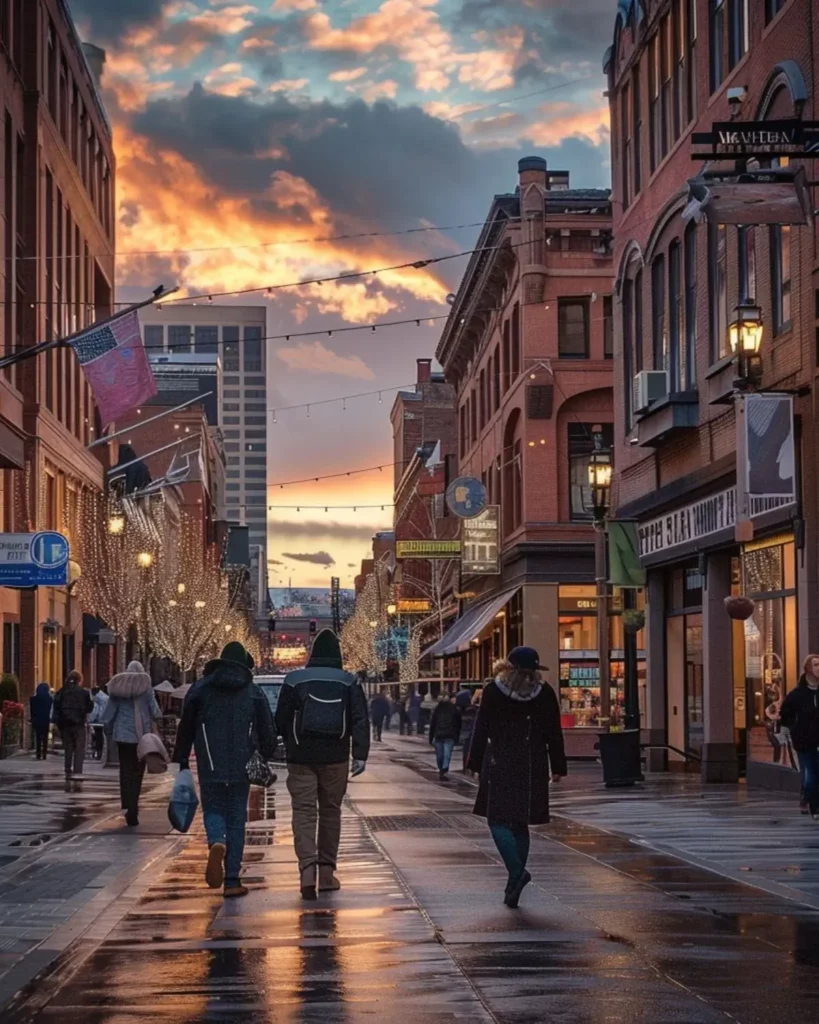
(378, 726)
(513, 846)
(809, 770)
(131, 771)
(98, 737)
(224, 809)
(41, 743)
(74, 745)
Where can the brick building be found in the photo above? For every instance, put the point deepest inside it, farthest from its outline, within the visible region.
(714, 685)
(528, 350)
(57, 272)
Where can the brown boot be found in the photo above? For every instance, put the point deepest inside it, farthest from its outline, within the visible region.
(235, 890)
(327, 879)
(215, 871)
(308, 883)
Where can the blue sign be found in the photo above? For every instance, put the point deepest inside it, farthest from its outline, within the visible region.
(466, 497)
(33, 559)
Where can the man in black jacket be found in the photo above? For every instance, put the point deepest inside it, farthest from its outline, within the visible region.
(226, 718)
(72, 706)
(444, 733)
(322, 710)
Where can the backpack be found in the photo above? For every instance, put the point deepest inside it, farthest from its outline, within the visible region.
(323, 709)
(71, 715)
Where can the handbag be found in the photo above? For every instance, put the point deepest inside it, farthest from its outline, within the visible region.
(184, 801)
(150, 747)
(259, 772)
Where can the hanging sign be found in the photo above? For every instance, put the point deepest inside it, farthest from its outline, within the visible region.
(33, 559)
(466, 497)
(414, 606)
(481, 538)
(766, 461)
(761, 140)
(427, 549)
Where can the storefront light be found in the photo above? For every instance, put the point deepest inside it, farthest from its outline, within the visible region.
(745, 330)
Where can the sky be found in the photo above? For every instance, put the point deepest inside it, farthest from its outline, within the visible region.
(251, 135)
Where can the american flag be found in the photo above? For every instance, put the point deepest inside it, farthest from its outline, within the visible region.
(115, 365)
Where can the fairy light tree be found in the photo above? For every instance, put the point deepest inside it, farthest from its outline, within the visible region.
(408, 665)
(368, 621)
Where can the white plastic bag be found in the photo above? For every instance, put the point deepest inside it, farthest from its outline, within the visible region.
(184, 801)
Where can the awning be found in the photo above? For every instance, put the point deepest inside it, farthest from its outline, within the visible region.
(471, 624)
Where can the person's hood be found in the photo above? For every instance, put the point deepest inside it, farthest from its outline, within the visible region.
(326, 651)
(507, 691)
(131, 683)
(228, 673)
(43, 691)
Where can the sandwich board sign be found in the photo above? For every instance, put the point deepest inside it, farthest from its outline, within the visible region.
(33, 559)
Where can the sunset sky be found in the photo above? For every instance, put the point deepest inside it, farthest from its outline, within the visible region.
(242, 129)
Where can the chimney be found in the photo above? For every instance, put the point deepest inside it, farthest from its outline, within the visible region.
(424, 370)
(95, 59)
(532, 171)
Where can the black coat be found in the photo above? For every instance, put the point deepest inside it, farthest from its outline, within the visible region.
(445, 723)
(72, 705)
(800, 714)
(324, 684)
(380, 708)
(40, 705)
(513, 744)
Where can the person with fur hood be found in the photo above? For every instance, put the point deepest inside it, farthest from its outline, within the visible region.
(517, 737)
(128, 715)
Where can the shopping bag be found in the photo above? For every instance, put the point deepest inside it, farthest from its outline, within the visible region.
(184, 801)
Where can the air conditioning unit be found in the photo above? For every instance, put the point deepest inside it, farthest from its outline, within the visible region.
(649, 385)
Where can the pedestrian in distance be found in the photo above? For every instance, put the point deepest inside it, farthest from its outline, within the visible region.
(463, 698)
(321, 715)
(414, 712)
(402, 707)
(800, 715)
(444, 733)
(226, 719)
(40, 706)
(379, 711)
(428, 705)
(517, 738)
(129, 712)
(72, 706)
(100, 698)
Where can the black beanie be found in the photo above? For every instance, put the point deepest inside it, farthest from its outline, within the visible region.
(326, 651)
(234, 651)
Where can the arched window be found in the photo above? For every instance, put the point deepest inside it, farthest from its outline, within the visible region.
(659, 338)
(512, 474)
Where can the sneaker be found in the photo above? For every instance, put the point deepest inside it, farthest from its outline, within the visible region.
(232, 891)
(215, 871)
(513, 897)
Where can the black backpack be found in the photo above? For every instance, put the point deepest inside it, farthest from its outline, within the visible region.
(324, 709)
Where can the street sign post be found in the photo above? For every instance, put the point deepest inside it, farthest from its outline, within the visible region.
(33, 559)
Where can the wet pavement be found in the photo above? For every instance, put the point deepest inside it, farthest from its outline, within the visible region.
(611, 928)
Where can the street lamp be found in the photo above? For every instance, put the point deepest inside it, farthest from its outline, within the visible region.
(745, 336)
(600, 472)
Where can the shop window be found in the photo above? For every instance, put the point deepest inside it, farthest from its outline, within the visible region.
(11, 647)
(581, 443)
(684, 586)
(781, 276)
(573, 328)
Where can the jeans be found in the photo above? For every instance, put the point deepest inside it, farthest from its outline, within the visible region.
(809, 770)
(74, 745)
(316, 792)
(224, 809)
(443, 751)
(41, 743)
(513, 846)
(131, 773)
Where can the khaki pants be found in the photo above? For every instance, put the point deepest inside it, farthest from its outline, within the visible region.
(316, 792)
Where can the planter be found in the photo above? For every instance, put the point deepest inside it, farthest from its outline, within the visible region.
(739, 607)
(621, 758)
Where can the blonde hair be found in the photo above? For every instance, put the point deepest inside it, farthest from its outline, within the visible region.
(522, 681)
(806, 665)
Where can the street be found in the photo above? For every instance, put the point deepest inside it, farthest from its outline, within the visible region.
(666, 903)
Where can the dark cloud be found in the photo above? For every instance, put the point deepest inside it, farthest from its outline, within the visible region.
(377, 164)
(108, 19)
(314, 558)
(311, 528)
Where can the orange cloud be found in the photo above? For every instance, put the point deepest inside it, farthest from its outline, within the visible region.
(347, 76)
(372, 91)
(227, 20)
(314, 357)
(565, 119)
(289, 85)
(294, 5)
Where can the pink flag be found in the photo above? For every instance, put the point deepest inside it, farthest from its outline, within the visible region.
(114, 362)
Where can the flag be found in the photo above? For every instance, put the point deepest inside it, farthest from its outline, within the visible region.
(115, 365)
(624, 555)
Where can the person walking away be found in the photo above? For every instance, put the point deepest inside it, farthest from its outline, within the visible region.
(40, 706)
(517, 738)
(463, 698)
(226, 718)
(414, 712)
(799, 714)
(402, 707)
(72, 706)
(100, 698)
(428, 705)
(444, 733)
(322, 713)
(379, 709)
(128, 713)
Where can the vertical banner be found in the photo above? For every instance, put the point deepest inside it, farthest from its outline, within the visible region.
(481, 543)
(766, 454)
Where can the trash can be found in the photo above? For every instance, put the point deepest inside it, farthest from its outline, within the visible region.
(621, 758)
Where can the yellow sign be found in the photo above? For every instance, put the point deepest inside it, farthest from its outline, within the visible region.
(428, 549)
(414, 606)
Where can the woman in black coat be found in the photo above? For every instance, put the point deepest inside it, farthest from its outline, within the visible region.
(517, 738)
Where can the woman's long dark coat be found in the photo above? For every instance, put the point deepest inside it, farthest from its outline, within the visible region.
(513, 744)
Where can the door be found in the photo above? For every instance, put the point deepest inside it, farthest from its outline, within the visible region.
(694, 717)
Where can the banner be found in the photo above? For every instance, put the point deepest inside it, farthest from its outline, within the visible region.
(481, 543)
(624, 555)
(766, 467)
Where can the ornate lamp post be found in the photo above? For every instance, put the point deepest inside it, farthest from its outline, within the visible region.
(600, 472)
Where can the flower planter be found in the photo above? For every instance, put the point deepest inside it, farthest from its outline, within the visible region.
(739, 607)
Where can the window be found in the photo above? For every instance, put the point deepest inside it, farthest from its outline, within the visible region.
(573, 328)
(654, 128)
(253, 349)
(252, 381)
(637, 130)
(256, 460)
(746, 253)
(231, 393)
(738, 26)
(261, 434)
(688, 379)
(228, 381)
(516, 342)
(179, 337)
(691, 59)
(234, 472)
(676, 350)
(482, 392)
(230, 407)
(232, 447)
(781, 276)
(608, 328)
(257, 447)
(581, 443)
(659, 338)
(205, 339)
(255, 499)
(255, 474)
(627, 307)
(717, 56)
(667, 98)
(496, 377)
(233, 487)
(626, 151)
(255, 407)
(464, 440)
(772, 8)
(232, 421)
(231, 433)
(473, 417)
(11, 647)
(255, 421)
(718, 290)
(507, 362)
(638, 321)
(255, 393)
(154, 336)
(230, 349)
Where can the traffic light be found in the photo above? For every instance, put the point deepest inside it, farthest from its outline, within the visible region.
(271, 624)
(312, 627)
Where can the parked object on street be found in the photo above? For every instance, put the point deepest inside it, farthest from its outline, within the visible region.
(322, 714)
(517, 738)
(131, 709)
(379, 712)
(226, 718)
(799, 714)
(444, 733)
(40, 706)
(72, 706)
(184, 801)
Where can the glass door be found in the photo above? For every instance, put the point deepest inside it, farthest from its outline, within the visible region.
(694, 711)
